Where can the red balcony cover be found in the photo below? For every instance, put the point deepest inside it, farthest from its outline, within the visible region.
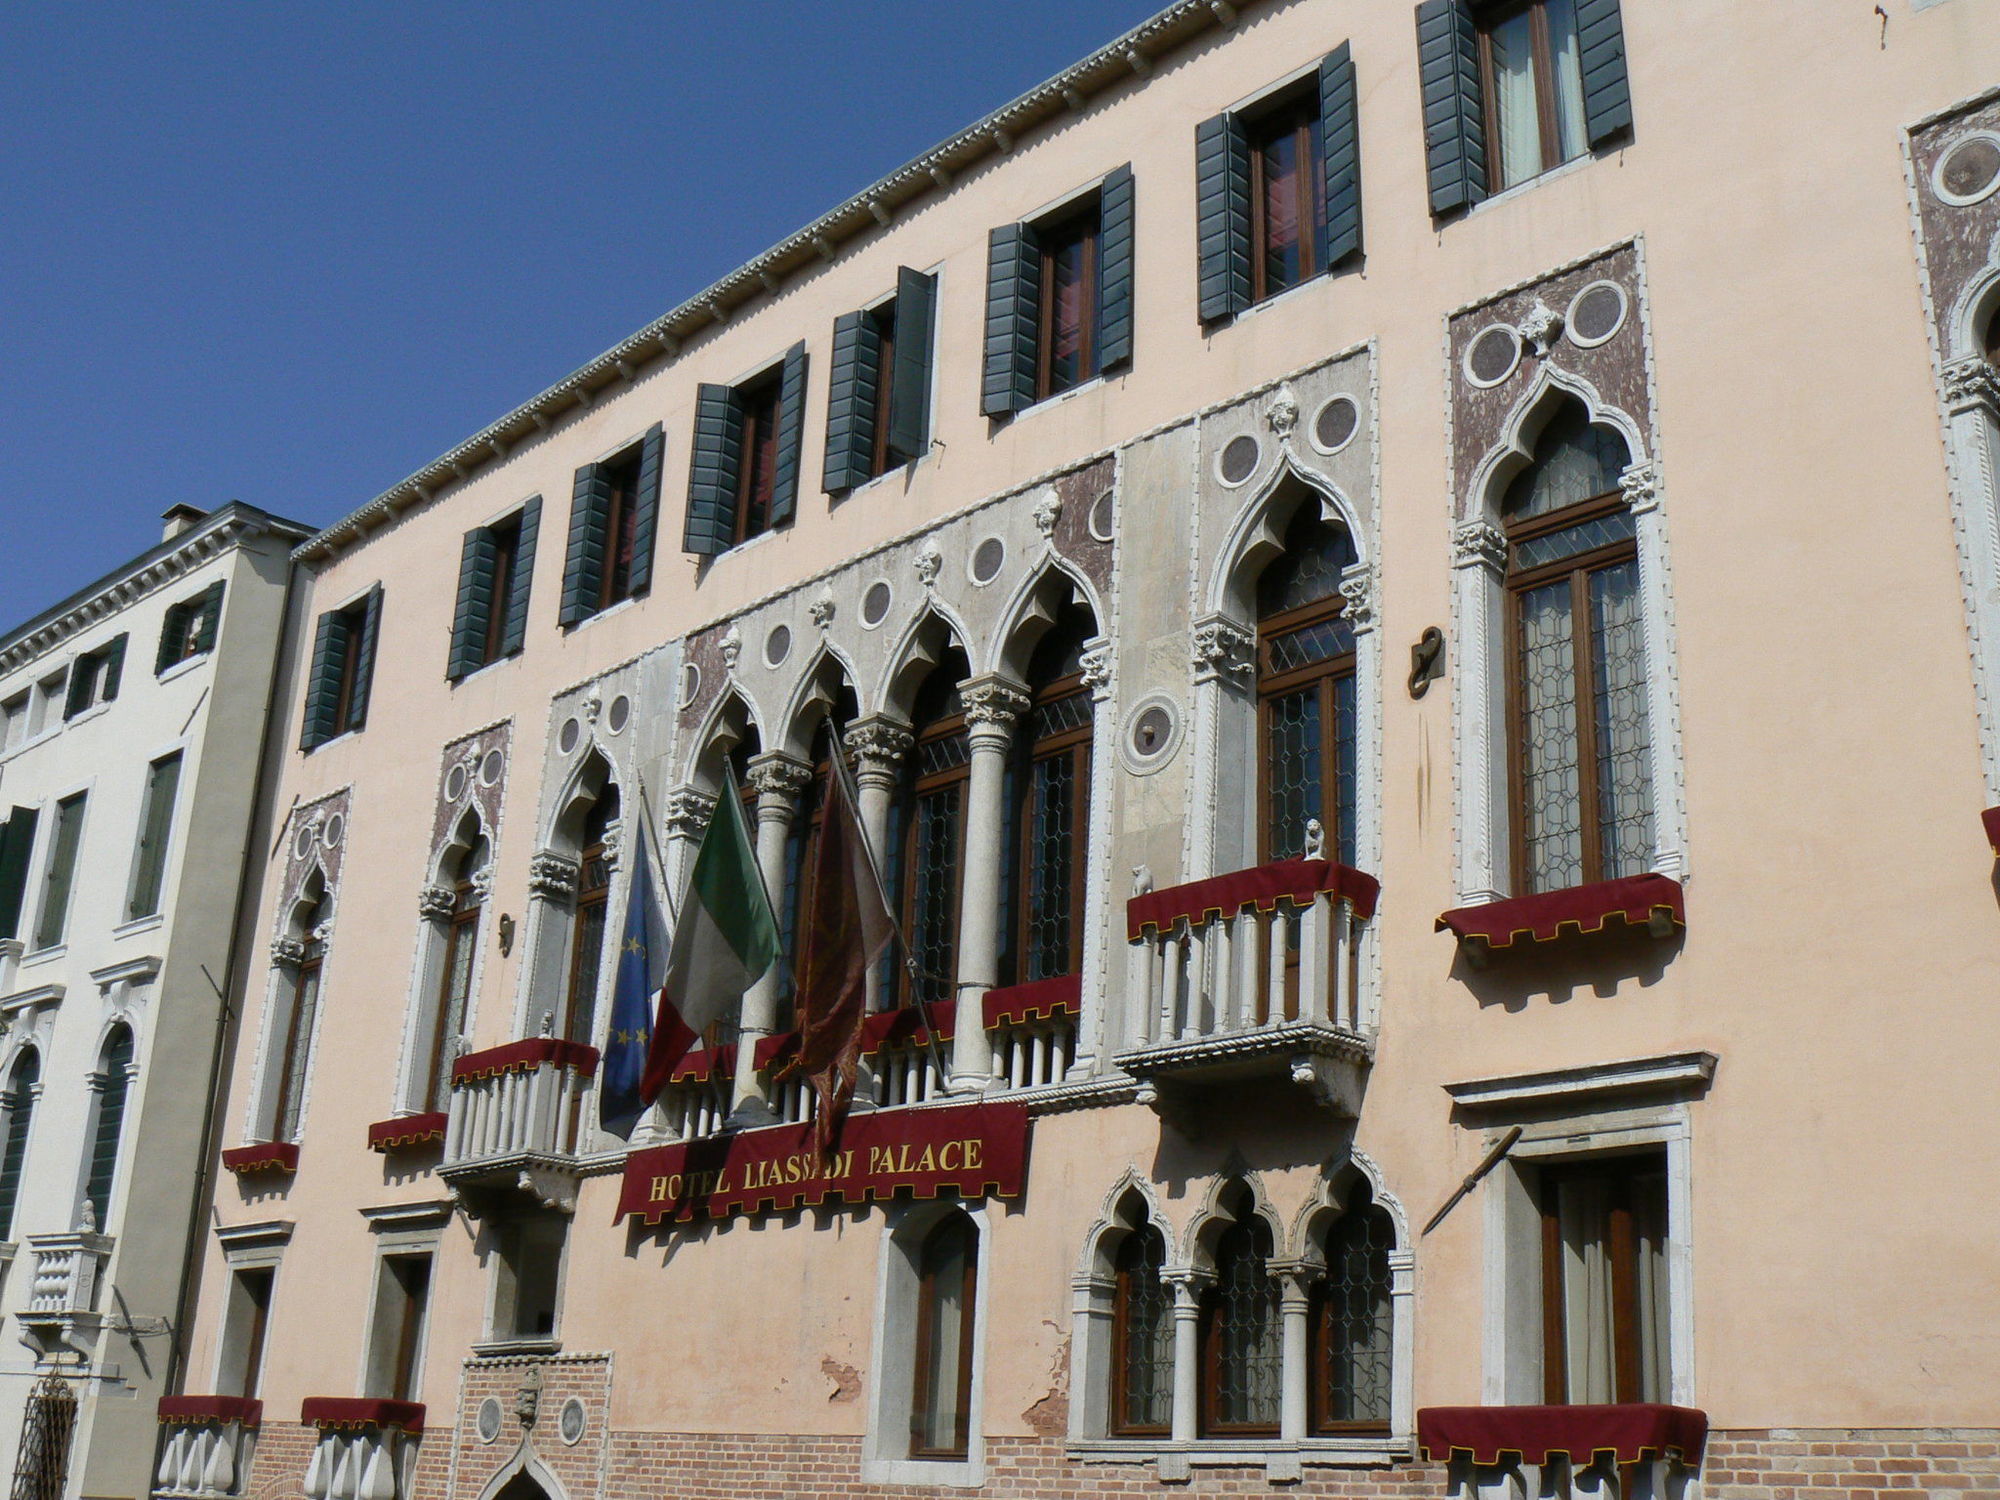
(525, 1057)
(710, 1062)
(1293, 880)
(781, 1047)
(1582, 908)
(1579, 1433)
(891, 1028)
(354, 1412)
(1991, 818)
(191, 1411)
(1043, 1000)
(271, 1156)
(407, 1130)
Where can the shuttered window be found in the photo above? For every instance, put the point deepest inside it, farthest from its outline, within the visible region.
(189, 628)
(613, 519)
(878, 400)
(495, 572)
(743, 476)
(17, 843)
(94, 677)
(156, 821)
(1059, 299)
(60, 876)
(1278, 190)
(343, 669)
(18, 1105)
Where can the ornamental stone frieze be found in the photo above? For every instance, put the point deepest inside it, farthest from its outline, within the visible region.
(552, 875)
(1972, 385)
(993, 703)
(1222, 648)
(688, 812)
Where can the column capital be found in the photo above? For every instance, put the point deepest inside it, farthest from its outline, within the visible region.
(1097, 664)
(436, 903)
(878, 745)
(1971, 385)
(688, 812)
(1188, 1283)
(1220, 647)
(778, 778)
(1357, 593)
(992, 704)
(1641, 486)
(551, 875)
(1479, 544)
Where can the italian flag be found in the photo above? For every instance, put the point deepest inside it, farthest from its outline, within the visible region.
(724, 940)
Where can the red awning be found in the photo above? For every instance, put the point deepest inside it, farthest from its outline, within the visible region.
(525, 1056)
(780, 1047)
(407, 1130)
(271, 1156)
(1991, 818)
(1293, 880)
(710, 1062)
(888, 1028)
(1630, 1433)
(350, 1411)
(1043, 1000)
(1581, 908)
(247, 1411)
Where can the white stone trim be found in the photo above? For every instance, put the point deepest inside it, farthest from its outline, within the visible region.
(1562, 1085)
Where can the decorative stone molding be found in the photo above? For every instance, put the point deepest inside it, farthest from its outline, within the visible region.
(1479, 544)
(822, 609)
(1641, 484)
(993, 703)
(688, 812)
(614, 842)
(551, 875)
(929, 562)
(1222, 648)
(879, 746)
(778, 776)
(1540, 329)
(288, 952)
(1971, 384)
(732, 650)
(1096, 675)
(435, 903)
(1357, 591)
(1281, 412)
(1047, 513)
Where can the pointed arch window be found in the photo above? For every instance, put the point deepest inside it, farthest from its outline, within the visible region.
(1352, 1322)
(593, 904)
(1242, 1333)
(23, 1085)
(802, 847)
(1048, 797)
(295, 1046)
(927, 831)
(1142, 1332)
(111, 1084)
(1580, 741)
(947, 1289)
(1305, 691)
(461, 944)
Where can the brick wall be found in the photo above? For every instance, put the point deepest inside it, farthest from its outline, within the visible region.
(1822, 1464)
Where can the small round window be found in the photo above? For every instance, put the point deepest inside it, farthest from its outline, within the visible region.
(454, 783)
(777, 645)
(1492, 356)
(1969, 172)
(1238, 460)
(490, 767)
(1103, 516)
(619, 714)
(987, 560)
(1336, 424)
(569, 736)
(875, 604)
(1596, 314)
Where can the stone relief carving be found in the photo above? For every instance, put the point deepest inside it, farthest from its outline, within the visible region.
(1222, 648)
(1479, 543)
(551, 875)
(1540, 328)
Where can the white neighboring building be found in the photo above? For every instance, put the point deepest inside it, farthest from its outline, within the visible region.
(132, 740)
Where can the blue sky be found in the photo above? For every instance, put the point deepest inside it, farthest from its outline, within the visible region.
(286, 254)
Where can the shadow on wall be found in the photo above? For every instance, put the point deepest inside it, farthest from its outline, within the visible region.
(1598, 963)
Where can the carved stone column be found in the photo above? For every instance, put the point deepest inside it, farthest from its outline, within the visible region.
(1479, 562)
(1093, 1026)
(992, 704)
(777, 779)
(878, 746)
(1294, 1346)
(1187, 1285)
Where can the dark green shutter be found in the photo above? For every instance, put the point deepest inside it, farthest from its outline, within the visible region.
(17, 842)
(713, 464)
(364, 659)
(114, 670)
(589, 525)
(519, 586)
(850, 402)
(791, 436)
(1222, 216)
(1454, 127)
(646, 521)
(323, 686)
(209, 605)
(173, 629)
(1013, 309)
(80, 674)
(1607, 96)
(910, 396)
(1114, 269)
(1340, 125)
(474, 614)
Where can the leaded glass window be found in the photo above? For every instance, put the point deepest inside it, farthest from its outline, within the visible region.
(1352, 1329)
(1049, 801)
(19, 1103)
(111, 1085)
(593, 897)
(461, 943)
(1242, 1333)
(1581, 742)
(1305, 690)
(1142, 1361)
(931, 833)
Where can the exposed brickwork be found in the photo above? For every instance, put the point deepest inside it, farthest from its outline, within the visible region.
(278, 1469)
(578, 1468)
(1826, 1464)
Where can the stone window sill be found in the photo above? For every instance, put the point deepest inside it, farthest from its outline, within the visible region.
(1280, 1460)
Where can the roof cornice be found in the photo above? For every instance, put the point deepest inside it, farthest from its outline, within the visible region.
(216, 533)
(1132, 55)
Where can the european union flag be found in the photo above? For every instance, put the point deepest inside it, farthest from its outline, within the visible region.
(642, 965)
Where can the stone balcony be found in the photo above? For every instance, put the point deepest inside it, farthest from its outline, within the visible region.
(517, 1120)
(61, 1313)
(206, 1446)
(366, 1450)
(1634, 1451)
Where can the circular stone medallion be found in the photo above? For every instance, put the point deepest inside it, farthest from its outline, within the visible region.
(490, 767)
(777, 645)
(987, 560)
(1336, 424)
(619, 714)
(1596, 313)
(1492, 355)
(572, 1421)
(1238, 460)
(487, 1423)
(1103, 516)
(1970, 171)
(455, 782)
(875, 604)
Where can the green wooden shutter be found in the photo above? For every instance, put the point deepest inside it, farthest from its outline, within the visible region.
(1607, 95)
(791, 436)
(1013, 316)
(209, 605)
(1454, 126)
(713, 465)
(589, 527)
(323, 686)
(114, 669)
(910, 396)
(81, 671)
(646, 521)
(364, 658)
(474, 614)
(1340, 123)
(1116, 226)
(519, 586)
(17, 842)
(850, 402)
(173, 628)
(1222, 216)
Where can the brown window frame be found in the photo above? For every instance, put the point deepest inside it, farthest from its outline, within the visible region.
(961, 1223)
(1583, 639)
(1121, 1422)
(757, 467)
(409, 1331)
(1323, 676)
(294, 1060)
(506, 536)
(461, 928)
(1210, 1423)
(1293, 115)
(1319, 1339)
(1074, 744)
(1547, 117)
(881, 457)
(580, 992)
(621, 520)
(1082, 227)
(1622, 1252)
(256, 1284)
(921, 787)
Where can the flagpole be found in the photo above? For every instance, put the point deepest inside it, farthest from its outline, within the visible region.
(646, 815)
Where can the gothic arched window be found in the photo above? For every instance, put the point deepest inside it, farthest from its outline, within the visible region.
(1142, 1324)
(461, 943)
(1242, 1333)
(1351, 1321)
(1048, 801)
(23, 1084)
(1582, 794)
(111, 1084)
(927, 831)
(593, 905)
(301, 1014)
(1305, 691)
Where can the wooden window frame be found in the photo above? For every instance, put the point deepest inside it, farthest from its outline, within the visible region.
(1272, 684)
(1292, 114)
(1083, 226)
(961, 1223)
(293, 1061)
(461, 927)
(756, 485)
(506, 537)
(621, 520)
(1075, 744)
(1121, 1423)
(355, 619)
(1319, 1338)
(405, 1365)
(920, 787)
(1209, 1398)
(256, 1283)
(1622, 1253)
(1583, 640)
(881, 457)
(1547, 113)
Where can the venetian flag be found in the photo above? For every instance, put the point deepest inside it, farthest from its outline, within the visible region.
(846, 926)
(724, 940)
(642, 960)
